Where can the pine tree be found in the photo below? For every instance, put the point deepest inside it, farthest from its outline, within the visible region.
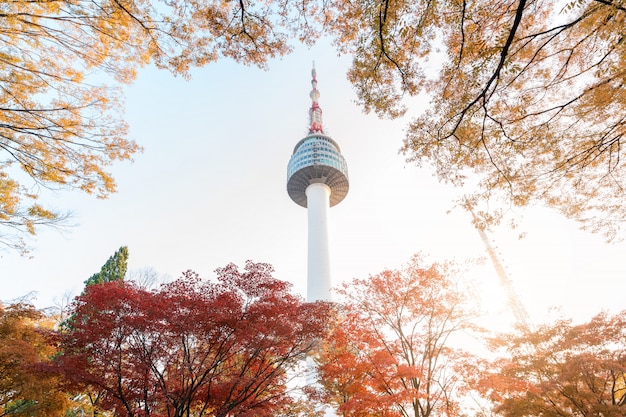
(113, 270)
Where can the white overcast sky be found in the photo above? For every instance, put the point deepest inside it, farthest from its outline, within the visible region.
(209, 189)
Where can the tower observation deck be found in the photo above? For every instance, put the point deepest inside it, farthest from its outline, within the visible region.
(317, 178)
(317, 159)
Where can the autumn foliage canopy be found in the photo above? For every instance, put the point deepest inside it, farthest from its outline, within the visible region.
(398, 346)
(526, 96)
(25, 342)
(392, 348)
(61, 64)
(191, 348)
(561, 369)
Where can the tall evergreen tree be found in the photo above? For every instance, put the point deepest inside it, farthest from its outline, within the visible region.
(113, 270)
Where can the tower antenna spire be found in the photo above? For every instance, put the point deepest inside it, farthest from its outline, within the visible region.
(521, 316)
(315, 113)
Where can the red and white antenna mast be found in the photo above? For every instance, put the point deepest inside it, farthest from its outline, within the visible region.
(315, 113)
(521, 316)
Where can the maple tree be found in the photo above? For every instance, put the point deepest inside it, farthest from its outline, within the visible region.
(562, 369)
(26, 391)
(391, 352)
(61, 121)
(191, 348)
(527, 97)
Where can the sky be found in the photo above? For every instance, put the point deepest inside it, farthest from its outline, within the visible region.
(210, 189)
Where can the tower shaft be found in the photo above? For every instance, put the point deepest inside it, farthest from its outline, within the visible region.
(318, 259)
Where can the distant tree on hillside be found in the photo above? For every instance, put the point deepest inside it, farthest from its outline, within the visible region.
(146, 278)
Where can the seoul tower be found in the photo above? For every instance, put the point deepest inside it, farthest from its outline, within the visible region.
(317, 179)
